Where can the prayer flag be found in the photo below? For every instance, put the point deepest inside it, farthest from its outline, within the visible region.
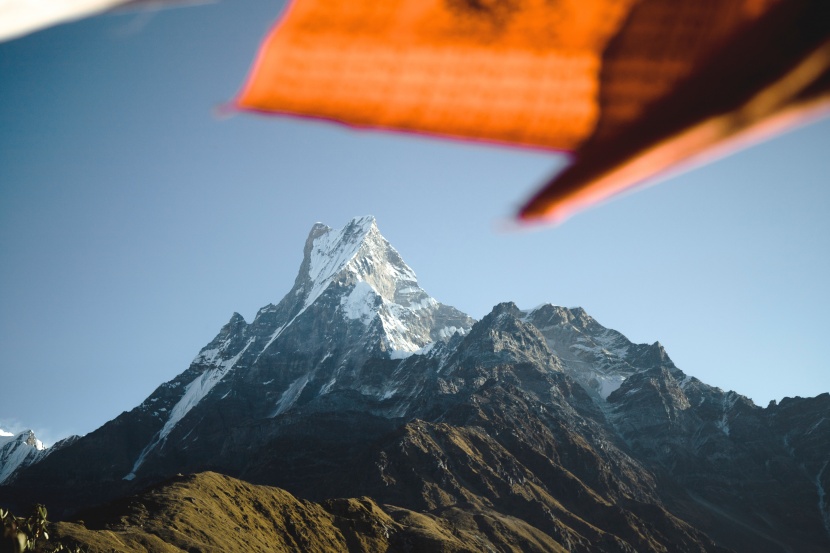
(632, 87)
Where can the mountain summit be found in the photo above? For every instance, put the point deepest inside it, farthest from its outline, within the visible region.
(354, 298)
(357, 273)
(536, 430)
(18, 451)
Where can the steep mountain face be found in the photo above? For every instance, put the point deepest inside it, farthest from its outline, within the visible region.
(18, 452)
(730, 459)
(539, 427)
(597, 357)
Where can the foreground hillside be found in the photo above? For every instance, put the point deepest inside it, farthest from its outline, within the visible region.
(209, 512)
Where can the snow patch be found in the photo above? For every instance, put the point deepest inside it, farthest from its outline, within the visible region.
(425, 303)
(608, 384)
(207, 356)
(361, 303)
(723, 424)
(194, 392)
(291, 394)
(727, 403)
(325, 388)
(409, 290)
(450, 331)
(400, 410)
(426, 349)
(332, 251)
(274, 336)
(816, 425)
(610, 340)
(396, 332)
(528, 313)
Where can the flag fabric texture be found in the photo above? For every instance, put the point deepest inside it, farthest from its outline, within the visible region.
(634, 88)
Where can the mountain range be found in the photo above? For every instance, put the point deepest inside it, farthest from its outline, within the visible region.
(361, 414)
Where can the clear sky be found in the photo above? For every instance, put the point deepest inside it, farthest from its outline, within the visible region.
(134, 222)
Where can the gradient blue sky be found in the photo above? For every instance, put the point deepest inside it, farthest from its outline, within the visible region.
(134, 222)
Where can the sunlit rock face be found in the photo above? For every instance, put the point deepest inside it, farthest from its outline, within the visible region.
(539, 427)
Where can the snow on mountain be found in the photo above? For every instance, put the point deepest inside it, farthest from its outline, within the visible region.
(599, 358)
(333, 251)
(354, 297)
(193, 394)
(18, 451)
(381, 286)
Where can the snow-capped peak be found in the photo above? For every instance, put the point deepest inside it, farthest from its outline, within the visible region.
(17, 451)
(333, 249)
(366, 280)
(356, 253)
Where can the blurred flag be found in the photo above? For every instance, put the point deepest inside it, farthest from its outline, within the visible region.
(632, 87)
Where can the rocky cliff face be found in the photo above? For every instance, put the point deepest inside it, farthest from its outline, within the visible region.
(541, 424)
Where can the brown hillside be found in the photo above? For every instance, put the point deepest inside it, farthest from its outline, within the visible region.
(209, 512)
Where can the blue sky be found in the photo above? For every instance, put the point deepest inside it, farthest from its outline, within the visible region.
(134, 222)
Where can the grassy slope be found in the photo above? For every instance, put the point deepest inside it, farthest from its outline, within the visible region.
(210, 512)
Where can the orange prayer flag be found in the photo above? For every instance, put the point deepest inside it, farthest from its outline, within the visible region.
(625, 84)
(454, 68)
(768, 75)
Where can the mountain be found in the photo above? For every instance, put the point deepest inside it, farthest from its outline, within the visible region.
(17, 452)
(533, 430)
(354, 301)
(22, 450)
